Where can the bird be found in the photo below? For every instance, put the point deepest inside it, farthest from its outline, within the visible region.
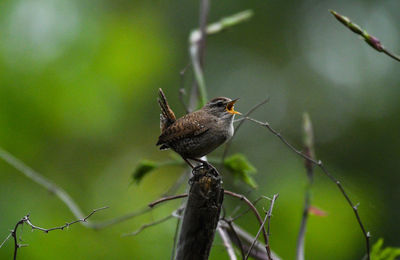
(198, 133)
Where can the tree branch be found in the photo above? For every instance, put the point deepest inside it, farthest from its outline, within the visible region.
(201, 215)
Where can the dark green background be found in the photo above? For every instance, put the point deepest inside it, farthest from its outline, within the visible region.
(78, 86)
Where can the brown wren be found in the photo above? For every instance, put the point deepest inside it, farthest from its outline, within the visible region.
(198, 133)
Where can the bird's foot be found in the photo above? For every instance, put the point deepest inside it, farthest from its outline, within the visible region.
(206, 166)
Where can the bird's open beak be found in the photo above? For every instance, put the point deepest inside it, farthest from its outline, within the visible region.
(230, 105)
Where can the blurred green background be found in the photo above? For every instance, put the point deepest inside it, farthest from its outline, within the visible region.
(78, 86)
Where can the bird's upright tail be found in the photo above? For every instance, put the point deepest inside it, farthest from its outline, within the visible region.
(167, 116)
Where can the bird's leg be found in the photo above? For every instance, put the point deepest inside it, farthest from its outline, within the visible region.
(204, 164)
(191, 165)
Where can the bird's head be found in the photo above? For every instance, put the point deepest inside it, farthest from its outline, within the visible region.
(222, 107)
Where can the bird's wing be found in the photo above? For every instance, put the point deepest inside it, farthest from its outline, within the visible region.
(167, 116)
(190, 125)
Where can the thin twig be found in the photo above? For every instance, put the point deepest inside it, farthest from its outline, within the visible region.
(228, 144)
(178, 223)
(371, 40)
(269, 214)
(5, 240)
(143, 227)
(197, 51)
(259, 252)
(177, 184)
(66, 225)
(154, 203)
(26, 220)
(199, 88)
(246, 211)
(241, 197)
(308, 143)
(267, 218)
(204, 10)
(326, 172)
(117, 220)
(236, 237)
(182, 91)
(227, 243)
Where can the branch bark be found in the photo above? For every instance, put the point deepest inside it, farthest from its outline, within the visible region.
(201, 215)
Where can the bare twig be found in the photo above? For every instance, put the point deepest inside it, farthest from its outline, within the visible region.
(245, 239)
(154, 203)
(371, 40)
(267, 218)
(143, 227)
(199, 89)
(5, 240)
(182, 91)
(327, 173)
(308, 142)
(26, 220)
(228, 144)
(197, 51)
(246, 211)
(174, 188)
(227, 243)
(269, 214)
(241, 197)
(235, 236)
(204, 10)
(178, 223)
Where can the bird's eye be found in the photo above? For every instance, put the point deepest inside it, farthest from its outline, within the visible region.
(220, 104)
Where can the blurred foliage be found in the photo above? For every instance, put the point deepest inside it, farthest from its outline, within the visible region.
(144, 167)
(241, 168)
(387, 253)
(78, 87)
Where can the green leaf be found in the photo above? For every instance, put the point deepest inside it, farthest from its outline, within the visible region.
(142, 169)
(387, 253)
(241, 168)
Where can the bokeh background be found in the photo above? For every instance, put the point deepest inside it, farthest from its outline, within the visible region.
(78, 86)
